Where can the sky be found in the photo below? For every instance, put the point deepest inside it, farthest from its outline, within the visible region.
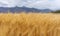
(39, 4)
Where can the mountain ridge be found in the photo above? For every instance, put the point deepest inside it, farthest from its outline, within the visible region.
(22, 9)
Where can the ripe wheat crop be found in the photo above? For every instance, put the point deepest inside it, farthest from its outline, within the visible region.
(29, 24)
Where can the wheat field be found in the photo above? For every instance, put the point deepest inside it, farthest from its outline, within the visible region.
(29, 24)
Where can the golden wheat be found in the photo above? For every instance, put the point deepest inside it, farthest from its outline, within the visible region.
(31, 24)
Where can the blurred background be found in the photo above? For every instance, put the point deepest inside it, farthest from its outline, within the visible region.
(44, 6)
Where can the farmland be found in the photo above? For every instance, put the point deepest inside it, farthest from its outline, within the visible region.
(29, 24)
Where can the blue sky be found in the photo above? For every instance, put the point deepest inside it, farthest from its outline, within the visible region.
(40, 4)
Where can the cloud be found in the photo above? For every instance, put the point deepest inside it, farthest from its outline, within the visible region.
(40, 4)
(35, 3)
(9, 3)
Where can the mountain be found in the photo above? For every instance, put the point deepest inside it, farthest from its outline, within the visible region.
(22, 9)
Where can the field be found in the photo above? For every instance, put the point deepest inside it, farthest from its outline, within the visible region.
(29, 24)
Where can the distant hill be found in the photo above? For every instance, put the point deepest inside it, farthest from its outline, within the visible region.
(23, 9)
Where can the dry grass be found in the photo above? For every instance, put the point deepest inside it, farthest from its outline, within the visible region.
(31, 24)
